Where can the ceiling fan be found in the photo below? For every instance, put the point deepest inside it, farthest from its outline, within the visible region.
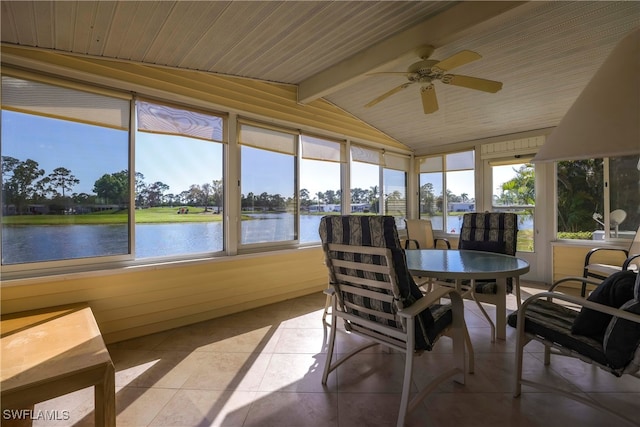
(426, 71)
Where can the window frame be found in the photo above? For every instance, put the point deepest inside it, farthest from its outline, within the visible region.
(231, 193)
(607, 239)
(39, 268)
(279, 244)
(223, 140)
(443, 169)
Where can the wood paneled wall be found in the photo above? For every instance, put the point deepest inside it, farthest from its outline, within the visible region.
(568, 260)
(138, 301)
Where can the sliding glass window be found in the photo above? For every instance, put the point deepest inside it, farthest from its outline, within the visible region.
(598, 199)
(267, 185)
(178, 181)
(65, 173)
(365, 180)
(451, 175)
(320, 183)
(394, 182)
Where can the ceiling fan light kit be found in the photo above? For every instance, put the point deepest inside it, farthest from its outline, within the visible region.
(426, 71)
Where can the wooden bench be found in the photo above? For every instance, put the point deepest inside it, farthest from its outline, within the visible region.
(51, 352)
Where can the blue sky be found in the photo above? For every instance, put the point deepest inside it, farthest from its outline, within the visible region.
(91, 151)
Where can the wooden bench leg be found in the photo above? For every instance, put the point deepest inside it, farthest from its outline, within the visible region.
(105, 399)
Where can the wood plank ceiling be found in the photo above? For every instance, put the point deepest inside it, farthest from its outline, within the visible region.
(543, 52)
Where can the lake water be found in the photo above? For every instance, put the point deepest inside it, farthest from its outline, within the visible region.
(22, 244)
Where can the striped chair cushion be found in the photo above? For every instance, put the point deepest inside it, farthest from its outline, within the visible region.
(490, 232)
(381, 231)
(622, 337)
(553, 322)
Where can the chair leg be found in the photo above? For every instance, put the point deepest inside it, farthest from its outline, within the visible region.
(406, 387)
(408, 371)
(547, 355)
(332, 340)
(327, 304)
(469, 346)
(520, 342)
(518, 297)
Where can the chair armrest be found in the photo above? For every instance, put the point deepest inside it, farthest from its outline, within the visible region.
(629, 260)
(407, 241)
(428, 300)
(580, 302)
(446, 241)
(582, 280)
(587, 258)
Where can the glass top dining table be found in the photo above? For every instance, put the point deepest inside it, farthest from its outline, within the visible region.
(464, 264)
(459, 265)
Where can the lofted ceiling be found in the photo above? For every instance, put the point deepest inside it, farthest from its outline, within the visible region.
(544, 53)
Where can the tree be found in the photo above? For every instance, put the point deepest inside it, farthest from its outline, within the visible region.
(155, 193)
(63, 179)
(305, 201)
(427, 199)
(217, 190)
(141, 190)
(580, 189)
(519, 190)
(21, 186)
(113, 188)
(206, 194)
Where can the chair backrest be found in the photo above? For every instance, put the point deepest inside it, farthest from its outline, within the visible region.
(490, 232)
(634, 249)
(377, 232)
(421, 232)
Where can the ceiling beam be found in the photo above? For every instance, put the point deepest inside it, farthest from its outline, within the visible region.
(436, 31)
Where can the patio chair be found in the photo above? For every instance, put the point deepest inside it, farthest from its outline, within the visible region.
(378, 300)
(605, 331)
(491, 232)
(630, 260)
(420, 236)
(420, 233)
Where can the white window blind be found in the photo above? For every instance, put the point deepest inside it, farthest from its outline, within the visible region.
(267, 139)
(31, 97)
(396, 161)
(366, 155)
(430, 164)
(167, 120)
(460, 161)
(321, 149)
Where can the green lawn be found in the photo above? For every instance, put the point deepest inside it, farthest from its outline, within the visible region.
(148, 216)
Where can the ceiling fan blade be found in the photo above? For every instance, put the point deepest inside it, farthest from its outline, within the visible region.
(429, 100)
(458, 59)
(472, 83)
(389, 73)
(387, 94)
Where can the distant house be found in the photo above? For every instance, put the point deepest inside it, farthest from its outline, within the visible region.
(324, 208)
(462, 207)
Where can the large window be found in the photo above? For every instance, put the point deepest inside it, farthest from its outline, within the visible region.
(268, 185)
(447, 189)
(514, 191)
(365, 180)
(598, 199)
(379, 183)
(320, 184)
(65, 157)
(394, 182)
(178, 183)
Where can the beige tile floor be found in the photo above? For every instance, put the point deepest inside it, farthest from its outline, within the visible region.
(263, 368)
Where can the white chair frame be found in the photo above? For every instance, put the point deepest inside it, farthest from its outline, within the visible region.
(378, 333)
(523, 338)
